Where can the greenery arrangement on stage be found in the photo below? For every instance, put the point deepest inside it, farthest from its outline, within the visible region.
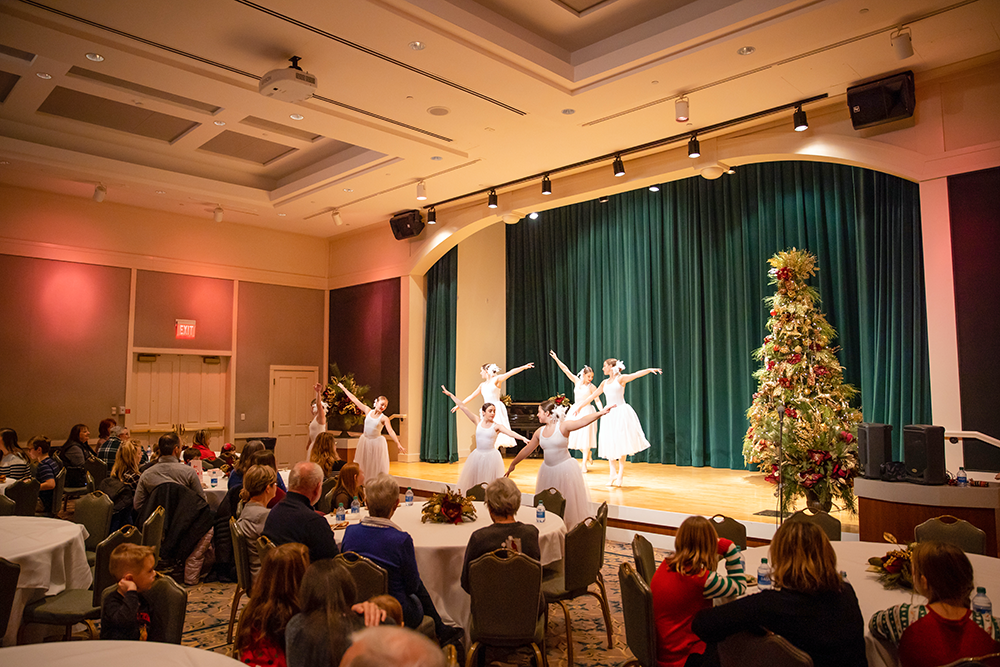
(343, 413)
(448, 507)
(895, 569)
(800, 372)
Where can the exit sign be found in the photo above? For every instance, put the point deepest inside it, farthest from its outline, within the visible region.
(184, 328)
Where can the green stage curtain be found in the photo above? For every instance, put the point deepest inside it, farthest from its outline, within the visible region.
(676, 279)
(439, 435)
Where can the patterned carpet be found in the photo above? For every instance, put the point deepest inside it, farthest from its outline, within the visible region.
(209, 606)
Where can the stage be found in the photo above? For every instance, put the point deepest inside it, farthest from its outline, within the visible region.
(654, 498)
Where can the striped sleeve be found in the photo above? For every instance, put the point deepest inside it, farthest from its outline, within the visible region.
(891, 623)
(734, 583)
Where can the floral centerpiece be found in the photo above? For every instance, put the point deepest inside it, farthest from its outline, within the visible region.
(895, 569)
(448, 507)
(341, 410)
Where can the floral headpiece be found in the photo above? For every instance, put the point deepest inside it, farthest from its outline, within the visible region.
(559, 412)
(585, 369)
(620, 365)
(492, 369)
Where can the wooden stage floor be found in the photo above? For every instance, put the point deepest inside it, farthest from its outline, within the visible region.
(682, 490)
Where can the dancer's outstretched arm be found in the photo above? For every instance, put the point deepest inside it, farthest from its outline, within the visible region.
(460, 405)
(477, 392)
(593, 396)
(524, 453)
(567, 426)
(320, 408)
(628, 377)
(506, 431)
(512, 372)
(354, 399)
(564, 368)
(392, 434)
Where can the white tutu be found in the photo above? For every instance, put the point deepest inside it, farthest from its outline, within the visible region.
(560, 470)
(621, 433)
(586, 437)
(484, 463)
(372, 454)
(491, 394)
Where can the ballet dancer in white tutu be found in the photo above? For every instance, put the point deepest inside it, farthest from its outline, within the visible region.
(484, 463)
(372, 454)
(318, 423)
(621, 434)
(559, 469)
(489, 388)
(583, 439)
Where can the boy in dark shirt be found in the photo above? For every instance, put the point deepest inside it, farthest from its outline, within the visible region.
(38, 449)
(125, 613)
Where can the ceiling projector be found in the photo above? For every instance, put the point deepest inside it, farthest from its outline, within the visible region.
(291, 84)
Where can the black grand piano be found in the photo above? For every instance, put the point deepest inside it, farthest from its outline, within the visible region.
(523, 420)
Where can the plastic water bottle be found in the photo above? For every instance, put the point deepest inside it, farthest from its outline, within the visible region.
(356, 506)
(981, 603)
(408, 498)
(764, 575)
(215, 481)
(340, 512)
(540, 512)
(962, 478)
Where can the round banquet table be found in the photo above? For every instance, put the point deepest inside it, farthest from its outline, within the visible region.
(440, 552)
(102, 653)
(852, 557)
(52, 558)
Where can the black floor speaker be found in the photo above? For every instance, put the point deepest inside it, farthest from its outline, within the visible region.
(923, 454)
(874, 448)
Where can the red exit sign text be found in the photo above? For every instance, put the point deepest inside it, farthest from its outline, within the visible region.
(184, 328)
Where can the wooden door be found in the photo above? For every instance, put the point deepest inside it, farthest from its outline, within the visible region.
(289, 411)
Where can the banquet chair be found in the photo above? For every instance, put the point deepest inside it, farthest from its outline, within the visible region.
(152, 532)
(989, 660)
(505, 589)
(450, 655)
(167, 607)
(9, 574)
(241, 554)
(827, 523)
(602, 518)
(478, 492)
(730, 529)
(57, 493)
(71, 492)
(369, 577)
(24, 493)
(749, 650)
(264, 547)
(571, 577)
(6, 506)
(97, 469)
(637, 607)
(554, 501)
(93, 512)
(645, 561)
(326, 494)
(957, 532)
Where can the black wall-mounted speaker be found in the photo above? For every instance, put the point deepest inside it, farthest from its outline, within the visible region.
(874, 448)
(882, 101)
(923, 454)
(407, 224)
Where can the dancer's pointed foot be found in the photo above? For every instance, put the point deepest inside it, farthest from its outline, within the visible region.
(611, 481)
(618, 479)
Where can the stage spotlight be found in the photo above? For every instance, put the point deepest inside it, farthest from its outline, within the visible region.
(492, 202)
(546, 185)
(533, 215)
(681, 110)
(603, 200)
(337, 218)
(799, 120)
(694, 148)
(100, 192)
(421, 191)
(432, 216)
(217, 214)
(902, 43)
(654, 188)
(618, 166)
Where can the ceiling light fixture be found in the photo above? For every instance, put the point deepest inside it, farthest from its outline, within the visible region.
(43, 75)
(337, 219)
(95, 57)
(296, 116)
(694, 148)
(546, 185)
(421, 191)
(492, 201)
(618, 166)
(432, 216)
(654, 188)
(902, 43)
(161, 192)
(682, 109)
(100, 192)
(745, 50)
(217, 214)
(220, 123)
(603, 200)
(417, 45)
(533, 215)
(282, 215)
(799, 120)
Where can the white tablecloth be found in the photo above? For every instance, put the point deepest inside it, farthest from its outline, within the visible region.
(440, 552)
(852, 557)
(52, 558)
(104, 653)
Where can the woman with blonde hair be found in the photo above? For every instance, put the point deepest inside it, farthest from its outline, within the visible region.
(945, 629)
(260, 485)
(121, 484)
(686, 583)
(324, 453)
(810, 605)
(350, 485)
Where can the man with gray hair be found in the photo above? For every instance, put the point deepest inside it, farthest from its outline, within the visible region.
(294, 520)
(388, 646)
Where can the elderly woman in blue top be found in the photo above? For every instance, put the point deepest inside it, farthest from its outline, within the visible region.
(379, 539)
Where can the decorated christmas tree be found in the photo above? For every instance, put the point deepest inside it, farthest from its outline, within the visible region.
(800, 373)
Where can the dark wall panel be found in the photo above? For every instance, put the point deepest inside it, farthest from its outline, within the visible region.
(278, 326)
(161, 298)
(63, 344)
(364, 336)
(974, 204)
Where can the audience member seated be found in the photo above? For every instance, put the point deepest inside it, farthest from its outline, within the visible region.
(503, 499)
(810, 605)
(121, 484)
(258, 490)
(265, 457)
(324, 454)
(104, 431)
(40, 451)
(945, 629)
(244, 462)
(74, 453)
(388, 645)
(227, 457)
(125, 612)
(319, 634)
(108, 452)
(294, 520)
(350, 485)
(202, 442)
(190, 454)
(379, 539)
(168, 468)
(14, 464)
(274, 600)
(686, 583)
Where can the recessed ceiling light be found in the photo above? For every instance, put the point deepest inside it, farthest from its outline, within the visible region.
(436, 158)
(161, 192)
(863, 10)
(296, 116)
(282, 215)
(4, 162)
(439, 111)
(95, 57)
(489, 129)
(568, 112)
(417, 45)
(43, 75)
(746, 50)
(220, 123)
(533, 215)
(348, 189)
(654, 82)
